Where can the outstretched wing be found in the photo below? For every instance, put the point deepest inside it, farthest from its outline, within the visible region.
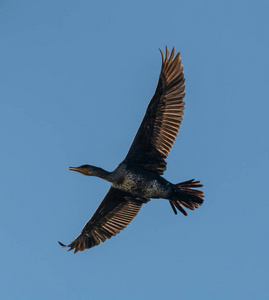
(162, 120)
(115, 212)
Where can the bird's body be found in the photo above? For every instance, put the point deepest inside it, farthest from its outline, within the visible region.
(139, 182)
(138, 178)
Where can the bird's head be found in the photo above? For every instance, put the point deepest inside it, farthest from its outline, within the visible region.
(84, 169)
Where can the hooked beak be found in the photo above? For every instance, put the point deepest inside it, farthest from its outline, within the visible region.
(79, 169)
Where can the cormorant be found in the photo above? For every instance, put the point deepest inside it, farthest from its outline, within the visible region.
(138, 178)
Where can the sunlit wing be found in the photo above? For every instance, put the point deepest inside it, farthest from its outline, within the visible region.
(163, 118)
(116, 211)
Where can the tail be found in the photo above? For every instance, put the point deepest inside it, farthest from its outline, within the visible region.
(188, 196)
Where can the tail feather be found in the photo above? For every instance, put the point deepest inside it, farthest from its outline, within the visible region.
(189, 197)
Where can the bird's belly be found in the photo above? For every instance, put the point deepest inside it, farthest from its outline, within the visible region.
(142, 186)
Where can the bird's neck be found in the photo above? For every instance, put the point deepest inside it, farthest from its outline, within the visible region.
(101, 173)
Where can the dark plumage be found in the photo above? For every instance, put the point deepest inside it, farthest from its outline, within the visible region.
(138, 177)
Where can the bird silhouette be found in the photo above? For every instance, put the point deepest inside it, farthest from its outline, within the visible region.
(137, 179)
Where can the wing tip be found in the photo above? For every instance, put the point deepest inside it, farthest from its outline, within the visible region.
(71, 247)
(172, 63)
(162, 55)
(167, 53)
(61, 244)
(172, 54)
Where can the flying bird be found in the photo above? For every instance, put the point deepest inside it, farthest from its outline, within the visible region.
(138, 178)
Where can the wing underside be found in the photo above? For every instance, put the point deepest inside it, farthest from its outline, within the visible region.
(115, 212)
(160, 125)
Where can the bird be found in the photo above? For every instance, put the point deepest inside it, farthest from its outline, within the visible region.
(138, 178)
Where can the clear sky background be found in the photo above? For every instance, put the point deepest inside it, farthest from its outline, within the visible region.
(75, 80)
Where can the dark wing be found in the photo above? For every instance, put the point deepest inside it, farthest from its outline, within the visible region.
(162, 120)
(115, 212)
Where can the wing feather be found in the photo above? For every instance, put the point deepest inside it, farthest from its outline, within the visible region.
(159, 128)
(116, 211)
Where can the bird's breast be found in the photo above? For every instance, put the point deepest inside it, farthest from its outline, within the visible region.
(141, 184)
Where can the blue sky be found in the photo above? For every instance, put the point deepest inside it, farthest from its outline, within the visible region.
(75, 80)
